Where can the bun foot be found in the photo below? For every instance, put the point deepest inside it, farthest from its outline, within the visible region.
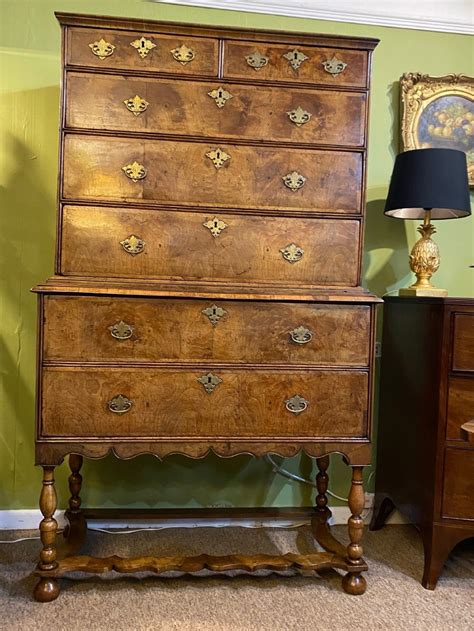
(46, 590)
(354, 584)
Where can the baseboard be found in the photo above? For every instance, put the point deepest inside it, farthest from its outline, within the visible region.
(188, 518)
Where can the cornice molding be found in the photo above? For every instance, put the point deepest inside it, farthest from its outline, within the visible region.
(452, 17)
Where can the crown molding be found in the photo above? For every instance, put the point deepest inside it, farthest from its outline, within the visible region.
(456, 16)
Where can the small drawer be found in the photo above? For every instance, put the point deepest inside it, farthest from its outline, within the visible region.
(203, 403)
(215, 175)
(463, 342)
(154, 330)
(142, 51)
(231, 111)
(458, 490)
(166, 244)
(460, 405)
(262, 61)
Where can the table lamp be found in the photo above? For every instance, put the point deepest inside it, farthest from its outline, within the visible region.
(428, 184)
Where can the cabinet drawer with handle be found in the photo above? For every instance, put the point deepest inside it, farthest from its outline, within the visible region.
(202, 403)
(164, 244)
(146, 330)
(217, 110)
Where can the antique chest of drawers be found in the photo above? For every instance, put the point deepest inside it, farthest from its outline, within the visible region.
(426, 436)
(207, 289)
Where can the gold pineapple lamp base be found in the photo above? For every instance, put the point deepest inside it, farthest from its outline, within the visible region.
(424, 262)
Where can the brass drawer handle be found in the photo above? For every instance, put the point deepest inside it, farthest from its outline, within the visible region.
(183, 54)
(120, 404)
(292, 253)
(295, 58)
(299, 116)
(334, 66)
(143, 46)
(215, 226)
(133, 245)
(121, 330)
(135, 171)
(296, 404)
(301, 335)
(256, 60)
(294, 181)
(214, 313)
(218, 157)
(102, 49)
(210, 382)
(136, 105)
(220, 96)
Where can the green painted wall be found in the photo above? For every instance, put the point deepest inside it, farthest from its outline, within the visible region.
(29, 50)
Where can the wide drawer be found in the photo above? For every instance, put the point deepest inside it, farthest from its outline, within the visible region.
(460, 405)
(458, 490)
(191, 108)
(188, 173)
(260, 61)
(167, 330)
(139, 243)
(141, 51)
(163, 403)
(463, 342)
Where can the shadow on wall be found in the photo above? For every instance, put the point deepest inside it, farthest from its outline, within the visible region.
(26, 254)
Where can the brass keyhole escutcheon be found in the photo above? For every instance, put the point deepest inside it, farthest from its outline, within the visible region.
(218, 157)
(210, 382)
(214, 313)
(143, 46)
(295, 58)
(220, 96)
(215, 226)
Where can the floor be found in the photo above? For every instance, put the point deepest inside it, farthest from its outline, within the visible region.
(394, 599)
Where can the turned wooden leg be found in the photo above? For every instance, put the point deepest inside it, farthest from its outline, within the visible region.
(47, 589)
(383, 508)
(353, 582)
(322, 511)
(75, 483)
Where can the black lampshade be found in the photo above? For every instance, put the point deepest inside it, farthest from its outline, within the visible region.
(434, 179)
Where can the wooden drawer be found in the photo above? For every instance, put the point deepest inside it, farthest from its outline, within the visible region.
(279, 68)
(460, 405)
(181, 173)
(167, 330)
(458, 490)
(463, 342)
(81, 42)
(185, 108)
(177, 245)
(173, 403)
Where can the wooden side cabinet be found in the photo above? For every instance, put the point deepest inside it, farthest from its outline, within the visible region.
(425, 451)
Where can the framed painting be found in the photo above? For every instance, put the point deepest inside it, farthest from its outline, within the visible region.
(438, 112)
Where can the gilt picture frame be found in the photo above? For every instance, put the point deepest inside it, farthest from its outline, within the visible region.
(438, 112)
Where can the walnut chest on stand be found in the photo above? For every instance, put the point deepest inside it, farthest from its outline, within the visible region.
(207, 290)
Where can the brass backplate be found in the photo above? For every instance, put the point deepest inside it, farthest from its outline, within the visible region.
(214, 313)
(135, 171)
(292, 253)
(183, 54)
(102, 49)
(136, 105)
(299, 116)
(220, 96)
(301, 335)
(218, 157)
(133, 245)
(334, 66)
(296, 404)
(120, 404)
(256, 60)
(215, 225)
(121, 330)
(294, 181)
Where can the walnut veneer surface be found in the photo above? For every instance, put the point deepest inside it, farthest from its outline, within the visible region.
(427, 401)
(207, 290)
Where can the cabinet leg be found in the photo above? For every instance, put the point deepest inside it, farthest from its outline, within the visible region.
(437, 544)
(323, 513)
(47, 589)
(383, 508)
(353, 582)
(75, 482)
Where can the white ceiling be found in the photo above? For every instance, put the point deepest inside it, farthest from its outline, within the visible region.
(452, 16)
